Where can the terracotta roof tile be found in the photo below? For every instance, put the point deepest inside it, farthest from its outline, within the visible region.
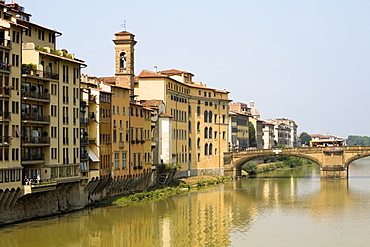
(147, 73)
(175, 72)
(152, 102)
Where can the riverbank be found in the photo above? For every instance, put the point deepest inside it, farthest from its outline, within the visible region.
(178, 186)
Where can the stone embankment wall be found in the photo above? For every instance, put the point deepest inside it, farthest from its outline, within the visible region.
(36, 205)
(69, 197)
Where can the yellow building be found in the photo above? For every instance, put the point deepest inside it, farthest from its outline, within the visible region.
(200, 119)
(40, 87)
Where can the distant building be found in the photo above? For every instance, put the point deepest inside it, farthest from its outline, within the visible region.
(199, 119)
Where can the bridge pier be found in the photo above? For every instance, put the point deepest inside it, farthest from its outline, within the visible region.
(333, 165)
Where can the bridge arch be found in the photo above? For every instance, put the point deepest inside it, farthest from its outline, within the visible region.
(239, 162)
(356, 157)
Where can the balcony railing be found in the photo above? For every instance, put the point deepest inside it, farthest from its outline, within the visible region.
(40, 73)
(84, 155)
(6, 43)
(36, 118)
(92, 99)
(5, 91)
(5, 66)
(91, 116)
(36, 95)
(91, 140)
(5, 140)
(31, 157)
(35, 140)
(84, 140)
(4, 115)
(84, 121)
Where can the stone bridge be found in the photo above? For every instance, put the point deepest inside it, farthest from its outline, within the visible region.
(333, 161)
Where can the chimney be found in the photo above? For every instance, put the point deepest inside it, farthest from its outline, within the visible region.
(155, 69)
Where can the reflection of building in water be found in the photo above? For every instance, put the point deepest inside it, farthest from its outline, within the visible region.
(332, 199)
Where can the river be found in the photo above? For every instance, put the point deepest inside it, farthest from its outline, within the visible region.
(280, 208)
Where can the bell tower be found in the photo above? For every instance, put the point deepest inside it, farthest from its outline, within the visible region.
(124, 60)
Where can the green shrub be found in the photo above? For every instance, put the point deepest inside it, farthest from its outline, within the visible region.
(251, 167)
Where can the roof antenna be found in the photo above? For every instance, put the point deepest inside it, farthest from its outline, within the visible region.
(124, 25)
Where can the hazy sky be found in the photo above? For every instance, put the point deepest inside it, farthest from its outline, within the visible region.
(298, 59)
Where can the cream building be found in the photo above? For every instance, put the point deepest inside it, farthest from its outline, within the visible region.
(40, 105)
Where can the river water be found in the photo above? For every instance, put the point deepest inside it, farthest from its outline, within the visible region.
(281, 208)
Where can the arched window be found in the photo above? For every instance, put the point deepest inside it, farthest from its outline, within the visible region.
(122, 60)
(210, 117)
(206, 149)
(210, 149)
(205, 132)
(198, 111)
(198, 127)
(210, 133)
(205, 116)
(198, 143)
(198, 157)
(215, 118)
(189, 127)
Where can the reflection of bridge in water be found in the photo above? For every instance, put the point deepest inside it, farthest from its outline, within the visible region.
(333, 161)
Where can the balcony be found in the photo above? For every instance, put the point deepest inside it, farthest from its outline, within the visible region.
(5, 92)
(4, 43)
(40, 73)
(45, 97)
(32, 158)
(43, 119)
(5, 140)
(84, 140)
(5, 67)
(91, 140)
(92, 116)
(84, 121)
(5, 116)
(84, 155)
(92, 98)
(35, 141)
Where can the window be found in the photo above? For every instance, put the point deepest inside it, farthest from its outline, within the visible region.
(210, 149)
(53, 153)
(205, 133)
(15, 107)
(51, 38)
(15, 153)
(41, 34)
(206, 149)
(116, 160)
(198, 127)
(53, 132)
(198, 111)
(122, 61)
(198, 143)
(124, 160)
(210, 117)
(205, 116)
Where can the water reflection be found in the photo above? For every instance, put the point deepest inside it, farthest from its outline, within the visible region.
(291, 206)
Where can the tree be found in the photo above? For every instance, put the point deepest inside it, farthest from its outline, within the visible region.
(250, 167)
(252, 135)
(305, 138)
(358, 141)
